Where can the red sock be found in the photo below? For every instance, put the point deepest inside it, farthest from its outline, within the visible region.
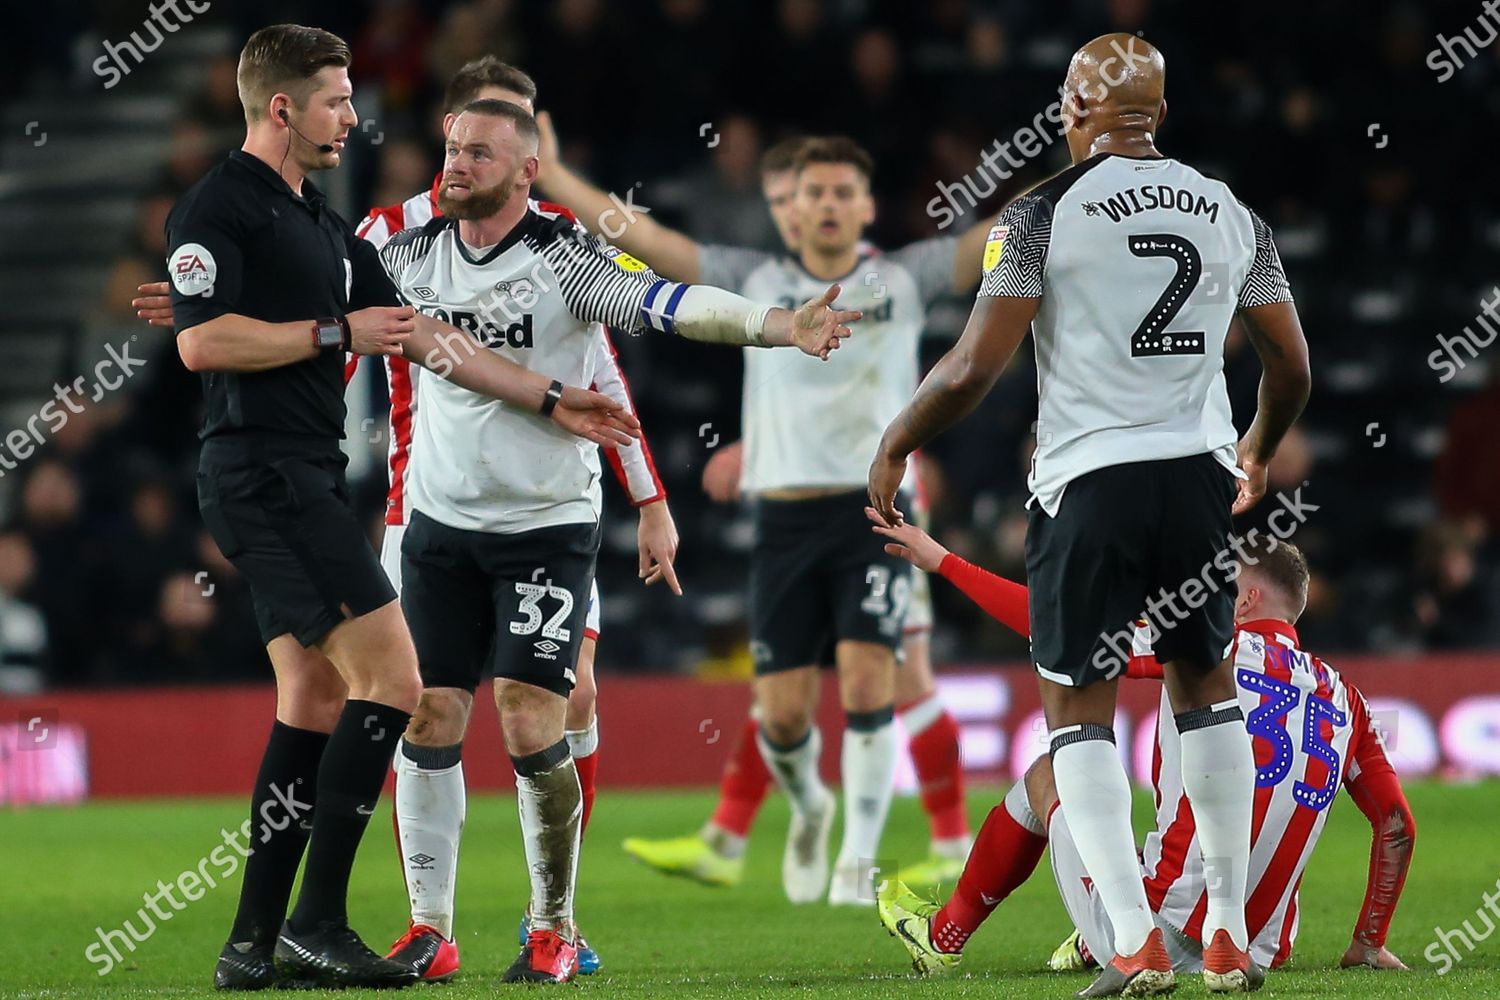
(744, 785)
(588, 768)
(1004, 856)
(940, 774)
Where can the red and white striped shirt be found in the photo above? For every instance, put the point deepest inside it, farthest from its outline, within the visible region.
(1312, 733)
(632, 464)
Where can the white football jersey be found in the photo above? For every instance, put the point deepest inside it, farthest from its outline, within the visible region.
(1140, 265)
(536, 298)
(811, 423)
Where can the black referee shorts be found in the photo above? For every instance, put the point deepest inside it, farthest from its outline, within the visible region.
(512, 605)
(287, 525)
(819, 575)
(1122, 536)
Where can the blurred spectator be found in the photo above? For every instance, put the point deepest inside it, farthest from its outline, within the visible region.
(1467, 474)
(722, 201)
(392, 51)
(1458, 600)
(144, 258)
(23, 629)
(67, 567)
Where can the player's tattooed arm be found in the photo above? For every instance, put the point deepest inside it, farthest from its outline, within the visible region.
(1276, 334)
(951, 390)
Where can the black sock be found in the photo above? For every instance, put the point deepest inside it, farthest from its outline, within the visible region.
(349, 781)
(287, 784)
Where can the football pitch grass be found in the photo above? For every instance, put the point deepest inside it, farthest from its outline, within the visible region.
(71, 870)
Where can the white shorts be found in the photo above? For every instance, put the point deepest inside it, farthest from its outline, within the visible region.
(390, 561)
(1086, 909)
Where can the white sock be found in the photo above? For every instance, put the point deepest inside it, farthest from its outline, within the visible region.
(1018, 804)
(582, 742)
(919, 715)
(430, 807)
(1218, 777)
(551, 804)
(1092, 787)
(796, 770)
(869, 770)
(722, 842)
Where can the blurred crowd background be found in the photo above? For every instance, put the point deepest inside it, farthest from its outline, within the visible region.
(1330, 121)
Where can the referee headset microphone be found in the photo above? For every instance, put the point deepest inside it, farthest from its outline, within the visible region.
(323, 147)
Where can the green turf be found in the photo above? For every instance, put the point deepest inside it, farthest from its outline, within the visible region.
(67, 871)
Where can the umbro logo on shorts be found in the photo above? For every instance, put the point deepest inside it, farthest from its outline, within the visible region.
(546, 648)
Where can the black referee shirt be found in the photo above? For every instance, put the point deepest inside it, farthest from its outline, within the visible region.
(242, 242)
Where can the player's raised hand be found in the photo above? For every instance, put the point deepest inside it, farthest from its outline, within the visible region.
(1360, 954)
(909, 542)
(595, 416)
(886, 476)
(380, 329)
(1252, 489)
(721, 476)
(656, 538)
(154, 303)
(818, 328)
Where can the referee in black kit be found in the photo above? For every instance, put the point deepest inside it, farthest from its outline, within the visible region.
(269, 288)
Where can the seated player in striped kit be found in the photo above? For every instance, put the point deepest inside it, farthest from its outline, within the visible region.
(1312, 732)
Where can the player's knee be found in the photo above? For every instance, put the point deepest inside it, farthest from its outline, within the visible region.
(786, 726)
(440, 718)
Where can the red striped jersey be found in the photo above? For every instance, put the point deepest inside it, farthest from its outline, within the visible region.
(633, 465)
(1311, 732)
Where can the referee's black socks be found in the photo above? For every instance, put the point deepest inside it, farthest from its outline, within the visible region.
(280, 818)
(349, 782)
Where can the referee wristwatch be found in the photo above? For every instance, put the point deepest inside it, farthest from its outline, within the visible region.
(330, 333)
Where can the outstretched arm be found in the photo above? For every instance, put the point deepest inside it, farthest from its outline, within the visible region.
(624, 223)
(1373, 785)
(452, 354)
(951, 390)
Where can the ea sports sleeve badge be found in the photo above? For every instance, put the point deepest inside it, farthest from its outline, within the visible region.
(193, 270)
(994, 245)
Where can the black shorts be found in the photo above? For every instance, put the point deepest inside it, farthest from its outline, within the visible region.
(1123, 535)
(287, 525)
(819, 575)
(513, 605)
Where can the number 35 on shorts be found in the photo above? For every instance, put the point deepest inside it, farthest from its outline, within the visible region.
(887, 599)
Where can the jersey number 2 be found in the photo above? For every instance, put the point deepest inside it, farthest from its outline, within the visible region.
(1280, 699)
(1152, 339)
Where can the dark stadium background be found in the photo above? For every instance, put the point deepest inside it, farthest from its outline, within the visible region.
(1327, 117)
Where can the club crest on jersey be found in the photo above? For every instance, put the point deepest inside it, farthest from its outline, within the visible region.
(193, 270)
(623, 259)
(994, 245)
(520, 289)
